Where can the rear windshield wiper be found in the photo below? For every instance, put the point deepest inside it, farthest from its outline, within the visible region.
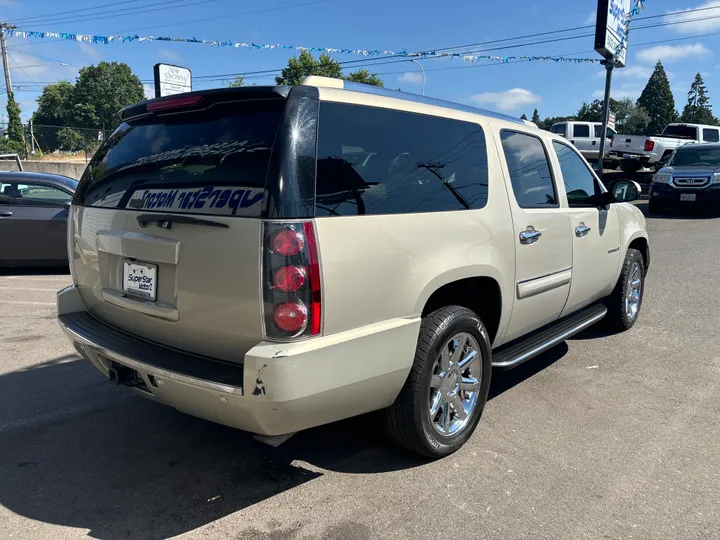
(165, 221)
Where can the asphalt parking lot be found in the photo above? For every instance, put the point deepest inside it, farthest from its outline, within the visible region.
(602, 437)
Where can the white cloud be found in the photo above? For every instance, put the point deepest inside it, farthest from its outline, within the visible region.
(510, 100)
(411, 77)
(591, 18)
(693, 22)
(149, 91)
(91, 50)
(633, 72)
(168, 54)
(671, 53)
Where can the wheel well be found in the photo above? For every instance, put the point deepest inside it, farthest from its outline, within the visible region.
(479, 294)
(641, 244)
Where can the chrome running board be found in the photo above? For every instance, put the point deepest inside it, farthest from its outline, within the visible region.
(518, 351)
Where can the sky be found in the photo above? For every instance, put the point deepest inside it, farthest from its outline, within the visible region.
(555, 89)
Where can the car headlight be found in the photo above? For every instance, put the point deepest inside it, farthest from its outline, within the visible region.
(716, 178)
(662, 178)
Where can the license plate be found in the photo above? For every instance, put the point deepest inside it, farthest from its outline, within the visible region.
(688, 197)
(626, 156)
(140, 280)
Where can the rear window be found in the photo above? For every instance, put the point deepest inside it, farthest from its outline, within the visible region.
(560, 129)
(211, 161)
(681, 132)
(383, 161)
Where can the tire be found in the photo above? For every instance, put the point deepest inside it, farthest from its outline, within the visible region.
(621, 315)
(654, 207)
(612, 165)
(630, 166)
(408, 421)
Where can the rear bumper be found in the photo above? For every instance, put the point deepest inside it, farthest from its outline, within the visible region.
(280, 388)
(642, 158)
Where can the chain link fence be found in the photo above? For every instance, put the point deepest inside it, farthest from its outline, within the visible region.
(59, 142)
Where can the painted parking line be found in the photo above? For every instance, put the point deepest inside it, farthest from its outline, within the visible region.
(26, 289)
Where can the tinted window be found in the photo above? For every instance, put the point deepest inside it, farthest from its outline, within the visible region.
(580, 184)
(380, 161)
(31, 194)
(581, 130)
(681, 132)
(529, 170)
(598, 131)
(560, 129)
(696, 155)
(211, 161)
(711, 135)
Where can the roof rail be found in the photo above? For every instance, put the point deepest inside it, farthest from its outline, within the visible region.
(331, 82)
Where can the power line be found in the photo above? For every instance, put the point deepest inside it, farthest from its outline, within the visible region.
(64, 14)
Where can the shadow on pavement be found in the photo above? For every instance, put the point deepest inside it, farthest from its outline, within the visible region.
(34, 271)
(79, 452)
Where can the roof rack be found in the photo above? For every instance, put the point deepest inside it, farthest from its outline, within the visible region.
(331, 82)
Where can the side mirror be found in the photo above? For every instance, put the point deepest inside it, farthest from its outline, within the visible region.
(626, 191)
(67, 204)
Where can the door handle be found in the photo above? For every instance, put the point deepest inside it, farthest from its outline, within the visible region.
(530, 236)
(5, 214)
(582, 230)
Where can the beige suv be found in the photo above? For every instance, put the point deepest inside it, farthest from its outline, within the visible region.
(276, 258)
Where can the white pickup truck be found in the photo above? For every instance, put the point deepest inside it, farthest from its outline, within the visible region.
(639, 151)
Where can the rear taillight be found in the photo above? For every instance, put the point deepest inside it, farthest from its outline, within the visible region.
(649, 145)
(292, 300)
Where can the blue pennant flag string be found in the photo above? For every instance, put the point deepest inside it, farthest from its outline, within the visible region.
(104, 40)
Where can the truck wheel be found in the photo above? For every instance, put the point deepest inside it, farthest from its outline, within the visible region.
(625, 301)
(445, 393)
(630, 166)
(654, 207)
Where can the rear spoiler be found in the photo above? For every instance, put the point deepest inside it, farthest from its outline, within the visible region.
(205, 98)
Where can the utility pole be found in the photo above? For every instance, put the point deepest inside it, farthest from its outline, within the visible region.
(32, 138)
(423, 75)
(4, 27)
(609, 66)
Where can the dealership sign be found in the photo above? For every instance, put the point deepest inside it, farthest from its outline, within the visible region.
(171, 80)
(611, 28)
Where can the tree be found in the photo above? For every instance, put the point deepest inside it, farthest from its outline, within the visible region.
(70, 139)
(657, 99)
(239, 80)
(548, 122)
(305, 65)
(365, 77)
(53, 110)
(698, 109)
(15, 135)
(630, 118)
(524, 117)
(105, 89)
(536, 118)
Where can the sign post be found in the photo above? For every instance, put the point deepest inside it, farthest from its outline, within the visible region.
(171, 80)
(611, 42)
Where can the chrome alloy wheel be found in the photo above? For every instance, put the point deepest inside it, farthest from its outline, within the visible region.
(633, 293)
(455, 384)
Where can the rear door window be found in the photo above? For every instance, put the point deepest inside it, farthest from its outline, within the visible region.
(383, 161)
(211, 161)
(33, 194)
(581, 131)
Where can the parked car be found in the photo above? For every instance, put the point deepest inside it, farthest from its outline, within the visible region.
(284, 257)
(639, 151)
(585, 136)
(691, 179)
(33, 218)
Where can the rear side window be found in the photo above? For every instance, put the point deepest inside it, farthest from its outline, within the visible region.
(581, 130)
(211, 161)
(560, 129)
(383, 161)
(711, 135)
(529, 170)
